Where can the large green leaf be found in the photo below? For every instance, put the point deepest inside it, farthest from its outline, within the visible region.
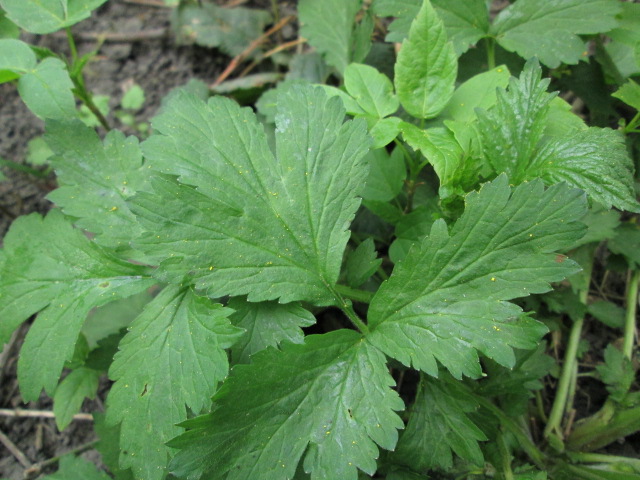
(52, 267)
(329, 27)
(172, 358)
(448, 298)
(266, 324)
(308, 397)
(95, 179)
(438, 426)
(514, 142)
(426, 68)
(466, 21)
(46, 16)
(258, 226)
(549, 29)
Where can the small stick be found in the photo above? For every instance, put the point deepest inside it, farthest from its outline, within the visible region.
(15, 451)
(252, 46)
(36, 468)
(284, 46)
(122, 37)
(149, 3)
(19, 412)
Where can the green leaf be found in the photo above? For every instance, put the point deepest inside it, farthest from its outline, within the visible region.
(561, 121)
(71, 392)
(53, 268)
(412, 228)
(46, 90)
(96, 178)
(16, 56)
(308, 397)
(617, 373)
(329, 27)
(230, 29)
(8, 29)
(404, 10)
(386, 175)
(172, 358)
(627, 243)
(383, 131)
(76, 468)
(89, 118)
(477, 92)
(608, 313)
(438, 426)
(549, 29)
(371, 89)
(601, 225)
(629, 93)
(279, 226)
(426, 68)
(38, 152)
(349, 103)
(47, 16)
(513, 142)
(133, 99)
(109, 446)
(466, 21)
(266, 324)
(361, 263)
(625, 41)
(501, 248)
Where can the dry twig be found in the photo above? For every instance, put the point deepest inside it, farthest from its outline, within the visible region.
(15, 451)
(18, 412)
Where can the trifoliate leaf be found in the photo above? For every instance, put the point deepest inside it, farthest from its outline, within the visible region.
(278, 227)
(439, 426)
(477, 92)
(96, 178)
(47, 16)
(361, 263)
(230, 29)
(466, 21)
(266, 324)
(549, 29)
(386, 175)
(616, 372)
(371, 89)
(329, 27)
(172, 358)
(629, 93)
(306, 397)
(513, 142)
(76, 468)
(53, 268)
(70, 393)
(426, 68)
(46, 90)
(501, 248)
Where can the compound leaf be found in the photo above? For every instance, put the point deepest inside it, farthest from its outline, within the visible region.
(310, 395)
(256, 226)
(426, 68)
(501, 248)
(438, 426)
(266, 324)
(70, 393)
(53, 268)
(371, 89)
(172, 358)
(549, 29)
(329, 27)
(95, 179)
(47, 16)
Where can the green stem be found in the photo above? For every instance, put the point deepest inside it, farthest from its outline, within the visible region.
(507, 472)
(354, 294)
(347, 308)
(630, 324)
(407, 156)
(633, 124)
(83, 94)
(583, 457)
(604, 427)
(22, 168)
(568, 372)
(490, 45)
(72, 45)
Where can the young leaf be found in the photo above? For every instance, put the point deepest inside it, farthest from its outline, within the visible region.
(278, 227)
(361, 263)
(329, 27)
(549, 29)
(47, 16)
(501, 248)
(306, 397)
(438, 426)
(52, 267)
(172, 358)
(266, 324)
(426, 68)
(96, 178)
(617, 373)
(76, 468)
(371, 89)
(70, 393)
(466, 21)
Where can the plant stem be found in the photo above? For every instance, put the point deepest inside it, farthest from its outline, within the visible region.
(630, 324)
(507, 472)
(72, 45)
(490, 45)
(568, 369)
(354, 294)
(347, 308)
(602, 458)
(604, 427)
(22, 168)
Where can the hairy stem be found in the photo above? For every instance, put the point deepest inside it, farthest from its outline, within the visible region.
(630, 323)
(490, 45)
(72, 45)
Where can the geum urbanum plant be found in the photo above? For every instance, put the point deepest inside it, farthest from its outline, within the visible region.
(249, 236)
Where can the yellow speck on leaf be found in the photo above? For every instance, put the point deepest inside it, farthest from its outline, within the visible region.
(493, 279)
